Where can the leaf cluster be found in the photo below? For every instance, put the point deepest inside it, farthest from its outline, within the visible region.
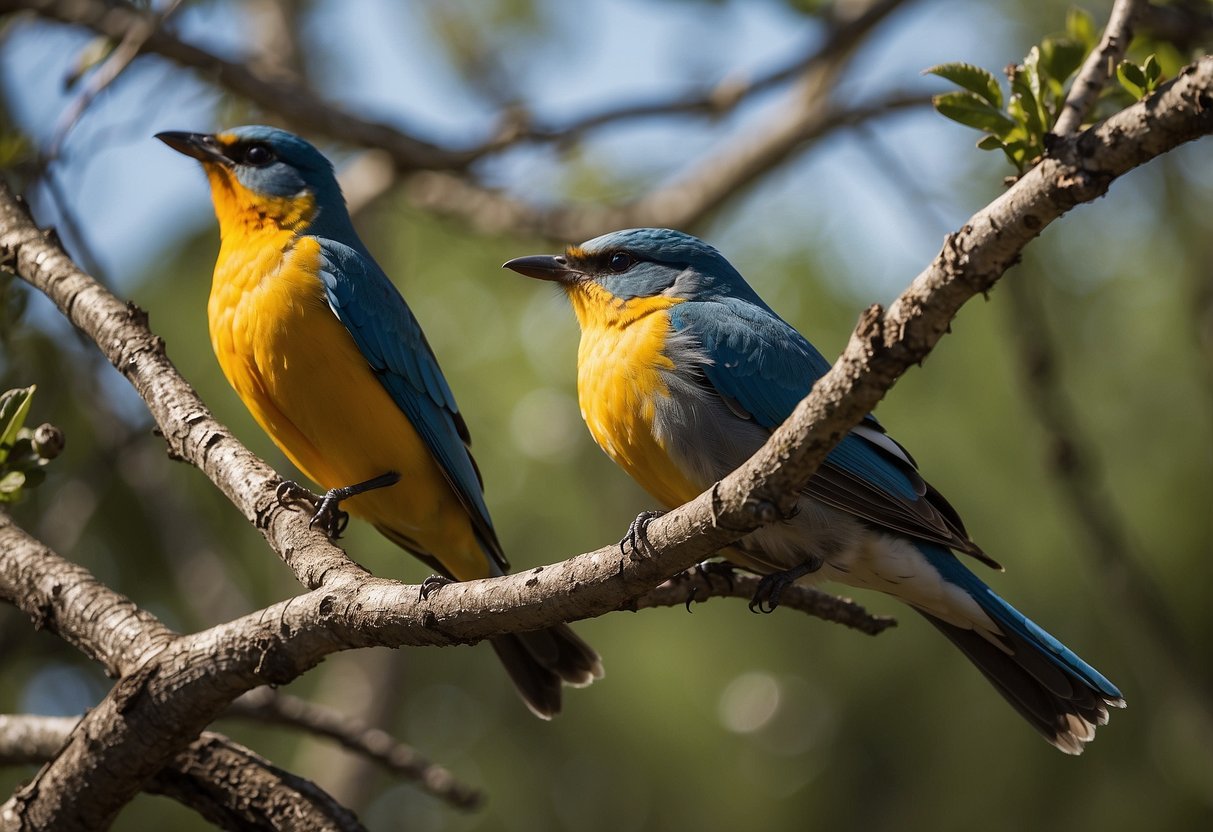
(24, 452)
(1018, 124)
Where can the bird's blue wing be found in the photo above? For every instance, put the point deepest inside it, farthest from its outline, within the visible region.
(762, 367)
(392, 342)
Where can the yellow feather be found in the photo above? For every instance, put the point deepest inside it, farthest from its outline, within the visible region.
(304, 380)
(618, 381)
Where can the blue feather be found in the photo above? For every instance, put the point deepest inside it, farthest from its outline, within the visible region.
(392, 342)
(1012, 620)
(767, 367)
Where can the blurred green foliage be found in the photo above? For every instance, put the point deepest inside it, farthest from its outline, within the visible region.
(717, 719)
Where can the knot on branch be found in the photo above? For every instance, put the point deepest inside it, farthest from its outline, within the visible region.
(133, 686)
(274, 663)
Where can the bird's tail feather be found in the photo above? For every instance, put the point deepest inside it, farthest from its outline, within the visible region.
(1058, 693)
(539, 662)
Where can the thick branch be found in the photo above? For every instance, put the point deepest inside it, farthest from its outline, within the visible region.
(66, 599)
(143, 721)
(229, 785)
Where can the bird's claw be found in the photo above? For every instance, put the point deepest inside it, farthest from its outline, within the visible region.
(329, 518)
(771, 587)
(430, 584)
(637, 534)
(326, 516)
(290, 493)
(708, 569)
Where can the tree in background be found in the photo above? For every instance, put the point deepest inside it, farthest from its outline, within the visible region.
(1077, 413)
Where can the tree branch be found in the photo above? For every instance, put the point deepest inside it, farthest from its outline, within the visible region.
(1099, 66)
(268, 705)
(66, 599)
(680, 204)
(126, 51)
(720, 98)
(698, 584)
(229, 785)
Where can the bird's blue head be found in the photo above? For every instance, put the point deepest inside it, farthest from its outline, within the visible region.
(263, 174)
(640, 263)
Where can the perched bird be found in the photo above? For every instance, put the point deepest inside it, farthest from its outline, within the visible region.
(330, 361)
(682, 374)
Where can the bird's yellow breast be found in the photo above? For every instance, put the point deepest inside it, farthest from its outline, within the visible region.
(619, 380)
(301, 375)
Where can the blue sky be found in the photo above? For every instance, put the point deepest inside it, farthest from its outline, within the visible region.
(137, 197)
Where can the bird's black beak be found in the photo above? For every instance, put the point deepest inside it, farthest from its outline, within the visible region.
(543, 266)
(201, 146)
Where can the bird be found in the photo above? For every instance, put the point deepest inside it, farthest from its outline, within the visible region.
(331, 362)
(683, 372)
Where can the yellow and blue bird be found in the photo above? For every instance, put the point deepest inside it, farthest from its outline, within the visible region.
(330, 361)
(683, 372)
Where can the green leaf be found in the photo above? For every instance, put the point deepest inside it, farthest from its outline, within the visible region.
(1060, 58)
(1023, 106)
(972, 78)
(1019, 153)
(1132, 78)
(1153, 72)
(990, 143)
(973, 111)
(10, 486)
(1081, 27)
(1031, 70)
(14, 406)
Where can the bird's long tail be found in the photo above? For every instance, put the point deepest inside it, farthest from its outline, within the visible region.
(1059, 694)
(539, 662)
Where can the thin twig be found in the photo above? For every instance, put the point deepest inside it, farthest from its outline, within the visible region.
(267, 705)
(682, 203)
(698, 584)
(117, 61)
(714, 101)
(1098, 67)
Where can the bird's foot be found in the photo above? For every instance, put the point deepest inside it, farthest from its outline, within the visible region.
(430, 584)
(766, 597)
(637, 534)
(327, 514)
(708, 569)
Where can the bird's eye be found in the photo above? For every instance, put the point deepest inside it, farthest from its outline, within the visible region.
(258, 155)
(621, 261)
